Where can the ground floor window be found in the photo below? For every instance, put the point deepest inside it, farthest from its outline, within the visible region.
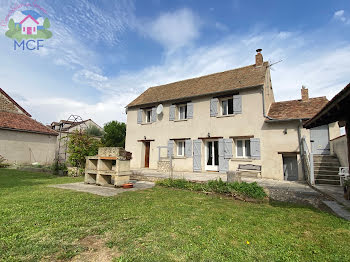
(180, 147)
(243, 148)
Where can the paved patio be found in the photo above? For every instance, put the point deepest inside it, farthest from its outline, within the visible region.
(335, 192)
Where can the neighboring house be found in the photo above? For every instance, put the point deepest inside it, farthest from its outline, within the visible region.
(29, 25)
(224, 121)
(64, 128)
(22, 139)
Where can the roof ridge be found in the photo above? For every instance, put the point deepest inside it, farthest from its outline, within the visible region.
(283, 101)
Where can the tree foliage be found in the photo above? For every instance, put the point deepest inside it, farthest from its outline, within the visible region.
(81, 145)
(94, 131)
(46, 23)
(114, 134)
(11, 25)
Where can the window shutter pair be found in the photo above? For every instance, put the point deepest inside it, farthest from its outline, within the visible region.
(255, 148)
(237, 105)
(172, 110)
(153, 115)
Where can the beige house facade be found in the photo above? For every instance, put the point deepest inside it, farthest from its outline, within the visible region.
(222, 122)
(24, 140)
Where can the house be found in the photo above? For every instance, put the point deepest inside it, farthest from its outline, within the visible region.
(224, 121)
(23, 140)
(29, 25)
(66, 127)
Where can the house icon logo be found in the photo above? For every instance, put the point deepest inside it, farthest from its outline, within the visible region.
(28, 29)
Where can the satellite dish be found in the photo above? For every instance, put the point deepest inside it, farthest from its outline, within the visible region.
(159, 109)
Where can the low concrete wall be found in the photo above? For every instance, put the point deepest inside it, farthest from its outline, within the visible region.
(340, 149)
(26, 148)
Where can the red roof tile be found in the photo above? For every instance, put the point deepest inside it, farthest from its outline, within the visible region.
(297, 109)
(24, 123)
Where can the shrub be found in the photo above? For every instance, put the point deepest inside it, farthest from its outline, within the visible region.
(2, 162)
(56, 167)
(252, 190)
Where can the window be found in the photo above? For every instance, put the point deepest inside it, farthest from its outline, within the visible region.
(182, 111)
(227, 106)
(243, 148)
(180, 148)
(148, 113)
(24, 29)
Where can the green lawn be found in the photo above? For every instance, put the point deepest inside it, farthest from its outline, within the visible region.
(160, 224)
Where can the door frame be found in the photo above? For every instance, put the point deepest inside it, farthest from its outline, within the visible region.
(147, 145)
(211, 167)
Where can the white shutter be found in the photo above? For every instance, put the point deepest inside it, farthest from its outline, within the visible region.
(139, 116)
(214, 106)
(170, 148)
(197, 144)
(154, 114)
(237, 104)
(172, 113)
(189, 110)
(188, 148)
(227, 148)
(255, 148)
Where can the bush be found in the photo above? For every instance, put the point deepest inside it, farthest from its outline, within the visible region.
(2, 162)
(56, 167)
(252, 190)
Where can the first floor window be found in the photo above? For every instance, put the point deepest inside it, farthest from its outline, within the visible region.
(227, 106)
(148, 115)
(183, 112)
(180, 148)
(243, 148)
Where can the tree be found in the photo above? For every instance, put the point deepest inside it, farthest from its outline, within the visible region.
(11, 25)
(81, 145)
(46, 23)
(114, 134)
(93, 131)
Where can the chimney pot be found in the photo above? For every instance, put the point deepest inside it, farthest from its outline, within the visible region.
(304, 94)
(259, 60)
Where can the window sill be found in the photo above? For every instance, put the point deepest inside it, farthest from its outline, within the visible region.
(180, 120)
(242, 159)
(150, 123)
(223, 116)
(179, 157)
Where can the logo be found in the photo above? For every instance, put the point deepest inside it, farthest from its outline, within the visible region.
(27, 28)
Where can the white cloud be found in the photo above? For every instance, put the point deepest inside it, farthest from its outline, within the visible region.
(18, 16)
(221, 27)
(174, 29)
(340, 15)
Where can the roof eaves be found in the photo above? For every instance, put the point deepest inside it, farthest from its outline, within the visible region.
(31, 131)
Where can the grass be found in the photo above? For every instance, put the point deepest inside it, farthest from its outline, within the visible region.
(159, 224)
(251, 190)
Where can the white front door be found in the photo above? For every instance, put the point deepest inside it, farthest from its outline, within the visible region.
(212, 155)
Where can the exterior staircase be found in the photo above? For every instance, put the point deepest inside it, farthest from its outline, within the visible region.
(326, 169)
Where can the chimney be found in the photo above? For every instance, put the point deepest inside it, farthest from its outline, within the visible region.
(304, 94)
(259, 58)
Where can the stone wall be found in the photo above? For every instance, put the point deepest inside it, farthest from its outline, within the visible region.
(7, 105)
(164, 166)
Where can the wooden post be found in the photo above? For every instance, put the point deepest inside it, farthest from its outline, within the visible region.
(347, 132)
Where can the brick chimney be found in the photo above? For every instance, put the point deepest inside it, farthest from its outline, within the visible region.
(259, 58)
(304, 94)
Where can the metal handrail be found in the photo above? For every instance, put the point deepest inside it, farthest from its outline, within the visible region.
(308, 157)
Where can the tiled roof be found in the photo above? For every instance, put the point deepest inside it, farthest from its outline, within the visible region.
(14, 102)
(24, 123)
(297, 109)
(248, 76)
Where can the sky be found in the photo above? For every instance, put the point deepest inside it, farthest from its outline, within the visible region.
(105, 53)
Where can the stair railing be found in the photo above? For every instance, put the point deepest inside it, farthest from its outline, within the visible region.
(308, 158)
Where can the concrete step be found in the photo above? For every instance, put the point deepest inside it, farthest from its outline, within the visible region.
(326, 160)
(328, 168)
(327, 181)
(325, 176)
(325, 172)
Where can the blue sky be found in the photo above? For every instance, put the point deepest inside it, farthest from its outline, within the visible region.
(105, 53)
